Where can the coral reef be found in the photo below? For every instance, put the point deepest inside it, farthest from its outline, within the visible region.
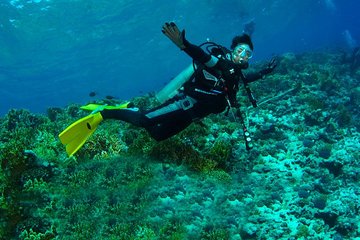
(299, 182)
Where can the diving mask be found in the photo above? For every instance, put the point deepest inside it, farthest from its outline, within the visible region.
(242, 51)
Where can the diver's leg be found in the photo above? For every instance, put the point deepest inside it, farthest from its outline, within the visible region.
(161, 122)
(130, 115)
(165, 130)
(171, 118)
(151, 117)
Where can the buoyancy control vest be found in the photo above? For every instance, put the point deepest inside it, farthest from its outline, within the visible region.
(205, 79)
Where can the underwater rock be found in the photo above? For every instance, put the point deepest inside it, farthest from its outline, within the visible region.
(325, 151)
(313, 119)
(248, 231)
(281, 146)
(320, 202)
(304, 192)
(275, 196)
(308, 142)
(334, 167)
(338, 237)
(262, 168)
(329, 218)
(344, 227)
(267, 128)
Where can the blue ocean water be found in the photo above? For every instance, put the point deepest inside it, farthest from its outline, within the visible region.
(53, 53)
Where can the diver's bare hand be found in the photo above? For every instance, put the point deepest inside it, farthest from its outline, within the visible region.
(174, 34)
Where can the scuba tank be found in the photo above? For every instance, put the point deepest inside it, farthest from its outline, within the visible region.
(172, 88)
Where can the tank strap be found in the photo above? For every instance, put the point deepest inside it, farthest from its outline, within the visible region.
(182, 104)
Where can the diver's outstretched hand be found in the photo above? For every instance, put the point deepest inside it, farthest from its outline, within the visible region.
(174, 34)
(269, 67)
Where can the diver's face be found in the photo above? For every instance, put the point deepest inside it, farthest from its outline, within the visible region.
(241, 54)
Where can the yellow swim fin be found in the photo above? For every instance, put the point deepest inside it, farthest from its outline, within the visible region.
(74, 136)
(94, 106)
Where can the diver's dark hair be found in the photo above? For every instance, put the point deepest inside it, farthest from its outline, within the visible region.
(242, 39)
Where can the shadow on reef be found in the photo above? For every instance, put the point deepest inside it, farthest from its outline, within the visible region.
(299, 182)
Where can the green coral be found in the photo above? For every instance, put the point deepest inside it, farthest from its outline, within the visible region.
(22, 183)
(46, 146)
(33, 235)
(144, 233)
(175, 151)
(173, 230)
(314, 102)
(139, 142)
(220, 175)
(221, 153)
(302, 231)
(216, 234)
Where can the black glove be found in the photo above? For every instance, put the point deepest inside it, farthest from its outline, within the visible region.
(269, 68)
(174, 34)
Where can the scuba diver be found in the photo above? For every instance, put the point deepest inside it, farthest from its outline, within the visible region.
(249, 27)
(210, 87)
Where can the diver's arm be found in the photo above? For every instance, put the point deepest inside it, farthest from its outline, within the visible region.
(195, 52)
(252, 77)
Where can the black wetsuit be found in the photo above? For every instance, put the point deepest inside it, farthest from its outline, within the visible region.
(211, 89)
